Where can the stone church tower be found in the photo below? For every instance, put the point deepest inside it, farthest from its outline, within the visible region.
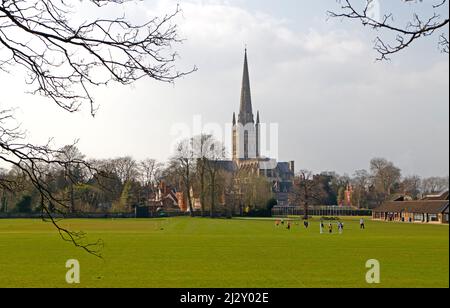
(246, 133)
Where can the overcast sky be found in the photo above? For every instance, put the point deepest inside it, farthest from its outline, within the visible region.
(316, 78)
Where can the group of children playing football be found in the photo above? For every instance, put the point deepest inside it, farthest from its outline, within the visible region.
(340, 225)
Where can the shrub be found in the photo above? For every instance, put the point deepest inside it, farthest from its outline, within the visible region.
(24, 205)
(271, 203)
(259, 213)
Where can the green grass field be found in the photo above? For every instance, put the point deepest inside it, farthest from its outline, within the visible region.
(185, 252)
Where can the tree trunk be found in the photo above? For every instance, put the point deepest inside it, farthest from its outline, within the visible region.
(191, 207)
(213, 192)
(306, 209)
(305, 204)
(188, 191)
(72, 199)
(188, 195)
(202, 189)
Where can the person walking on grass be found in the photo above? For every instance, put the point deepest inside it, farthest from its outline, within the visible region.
(362, 225)
(340, 227)
(330, 228)
(289, 225)
(306, 224)
(321, 227)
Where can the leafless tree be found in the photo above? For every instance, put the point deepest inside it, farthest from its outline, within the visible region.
(64, 61)
(149, 170)
(183, 163)
(434, 185)
(73, 174)
(202, 147)
(385, 175)
(361, 182)
(214, 155)
(126, 168)
(306, 190)
(410, 185)
(405, 35)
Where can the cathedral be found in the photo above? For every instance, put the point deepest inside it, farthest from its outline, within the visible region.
(246, 133)
(246, 145)
(246, 157)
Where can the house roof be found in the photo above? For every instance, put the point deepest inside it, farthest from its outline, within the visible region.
(283, 168)
(419, 207)
(441, 196)
(401, 197)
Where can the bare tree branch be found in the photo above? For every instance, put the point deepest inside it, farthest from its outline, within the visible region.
(405, 36)
(64, 62)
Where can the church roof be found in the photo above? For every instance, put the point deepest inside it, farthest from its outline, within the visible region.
(284, 168)
(227, 165)
(268, 164)
(246, 109)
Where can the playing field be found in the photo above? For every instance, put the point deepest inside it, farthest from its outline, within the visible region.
(186, 252)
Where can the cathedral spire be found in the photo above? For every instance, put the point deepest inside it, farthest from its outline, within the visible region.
(234, 118)
(246, 110)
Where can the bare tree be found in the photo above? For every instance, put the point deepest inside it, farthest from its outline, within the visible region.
(202, 147)
(410, 185)
(126, 169)
(183, 163)
(385, 175)
(214, 155)
(433, 185)
(197, 159)
(361, 181)
(306, 190)
(74, 172)
(149, 171)
(64, 61)
(405, 35)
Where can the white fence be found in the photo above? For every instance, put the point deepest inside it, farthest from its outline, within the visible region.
(320, 211)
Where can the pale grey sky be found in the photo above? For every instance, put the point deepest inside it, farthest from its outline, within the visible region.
(336, 107)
